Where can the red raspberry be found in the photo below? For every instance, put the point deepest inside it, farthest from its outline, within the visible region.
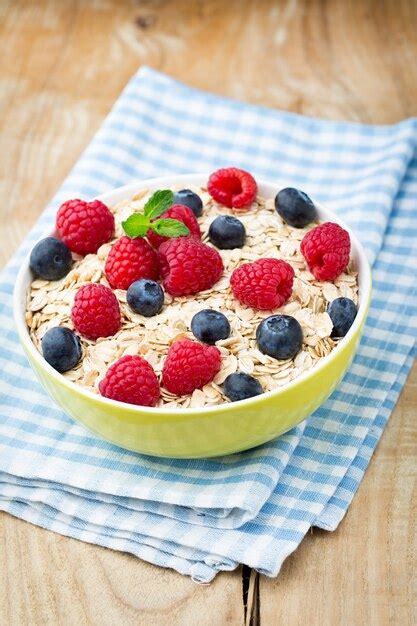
(232, 187)
(131, 379)
(128, 260)
(188, 266)
(181, 213)
(326, 249)
(84, 226)
(189, 365)
(95, 312)
(264, 284)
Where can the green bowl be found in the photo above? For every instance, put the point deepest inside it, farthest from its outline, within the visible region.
(204, 432)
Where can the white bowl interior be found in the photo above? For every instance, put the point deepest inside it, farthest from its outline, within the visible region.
(267, 190)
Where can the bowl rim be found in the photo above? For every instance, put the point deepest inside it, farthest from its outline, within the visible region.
(119, 193)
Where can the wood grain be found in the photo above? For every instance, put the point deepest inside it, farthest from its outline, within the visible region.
(63, 63)
(48, 579)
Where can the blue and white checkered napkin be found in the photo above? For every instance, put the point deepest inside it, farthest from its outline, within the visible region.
(200, 517)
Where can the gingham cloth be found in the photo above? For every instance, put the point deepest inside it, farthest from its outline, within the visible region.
(200, 517)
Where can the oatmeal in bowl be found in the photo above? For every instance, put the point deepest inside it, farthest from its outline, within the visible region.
(194, 293)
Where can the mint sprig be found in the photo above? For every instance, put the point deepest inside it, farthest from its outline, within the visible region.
(138, 224)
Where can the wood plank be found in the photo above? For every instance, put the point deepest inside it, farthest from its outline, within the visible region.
(48, 579)
(62, 66)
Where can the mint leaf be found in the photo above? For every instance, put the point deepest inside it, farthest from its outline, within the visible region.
(170, 228)
(136, 225)
(158, 203)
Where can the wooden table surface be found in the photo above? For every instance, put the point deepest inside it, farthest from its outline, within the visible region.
(63, 63)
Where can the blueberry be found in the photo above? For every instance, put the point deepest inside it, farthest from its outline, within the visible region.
(279, 336)
(295, 207)
(210, 326)
(227, 232)
(240, 386)
(342, 312)
(190, 199)
(146, 297)
(50, 259)
(61, 348)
